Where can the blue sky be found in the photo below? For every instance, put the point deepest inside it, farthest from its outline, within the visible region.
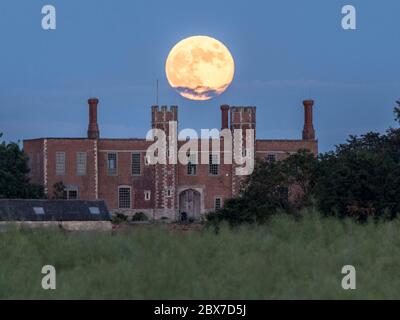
(285, 51)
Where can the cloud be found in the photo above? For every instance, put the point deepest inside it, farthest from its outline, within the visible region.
(201, 92)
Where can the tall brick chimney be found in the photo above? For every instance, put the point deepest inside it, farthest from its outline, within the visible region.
(93, 129)
(224, 116)
(308, 131)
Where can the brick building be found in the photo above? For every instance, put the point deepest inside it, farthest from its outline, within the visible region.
(118, 171)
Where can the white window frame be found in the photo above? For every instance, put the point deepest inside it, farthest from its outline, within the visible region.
(147, 195)
(211, 171)
(192, 164)
(220, 202)
(69, 189)
(60, 163)
(140, 163)
(81, 163)
(112, 173)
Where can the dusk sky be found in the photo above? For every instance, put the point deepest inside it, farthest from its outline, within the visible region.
(284, 52)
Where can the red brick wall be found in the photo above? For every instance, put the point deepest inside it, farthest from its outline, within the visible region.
(108, 185)
(34, 150)
(212, 186)
(86, 183)
(281, 148)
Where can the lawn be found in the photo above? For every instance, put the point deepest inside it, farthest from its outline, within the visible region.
(284, 259)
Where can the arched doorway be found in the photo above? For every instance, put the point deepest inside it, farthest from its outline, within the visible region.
(189, 203)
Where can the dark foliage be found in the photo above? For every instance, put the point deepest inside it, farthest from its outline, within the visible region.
(14, 170)
(59, 190)
(361, 179)
(272, 187)
(140, 216)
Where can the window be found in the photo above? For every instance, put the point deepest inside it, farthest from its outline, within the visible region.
(60, 163)
(213, 167)
(169, 192)
(38, 210)
(81, 163)
(147, 195)
(192, 165)
(147, 160)
(136, 169)
(124, 198)
(71, 193)
(218, 203)
(271, 157)
(112, 163)
(94, 210)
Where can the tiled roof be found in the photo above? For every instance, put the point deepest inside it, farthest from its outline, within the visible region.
(53, 210)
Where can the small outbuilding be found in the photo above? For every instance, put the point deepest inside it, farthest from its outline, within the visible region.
(71, 215)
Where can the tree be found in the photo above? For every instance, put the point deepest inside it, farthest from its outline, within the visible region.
(14, 170)
(59, 190)
(397, 111)
(272, 187)
(361, 178)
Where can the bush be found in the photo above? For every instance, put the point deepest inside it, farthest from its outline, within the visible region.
(140, 216)
(119, 217)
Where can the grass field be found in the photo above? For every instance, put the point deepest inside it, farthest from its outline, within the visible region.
(282, 260)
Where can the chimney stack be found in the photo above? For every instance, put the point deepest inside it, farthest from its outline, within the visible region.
(224, 117)
(93, 129)
(308, 131)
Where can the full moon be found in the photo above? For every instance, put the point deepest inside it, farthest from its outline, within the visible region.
(200, 68)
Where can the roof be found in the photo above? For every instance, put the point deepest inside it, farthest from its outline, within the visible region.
(53, 210)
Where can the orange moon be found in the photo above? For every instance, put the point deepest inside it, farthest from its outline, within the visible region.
(200, 68)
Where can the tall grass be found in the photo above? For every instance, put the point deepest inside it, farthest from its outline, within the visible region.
(284, 259)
